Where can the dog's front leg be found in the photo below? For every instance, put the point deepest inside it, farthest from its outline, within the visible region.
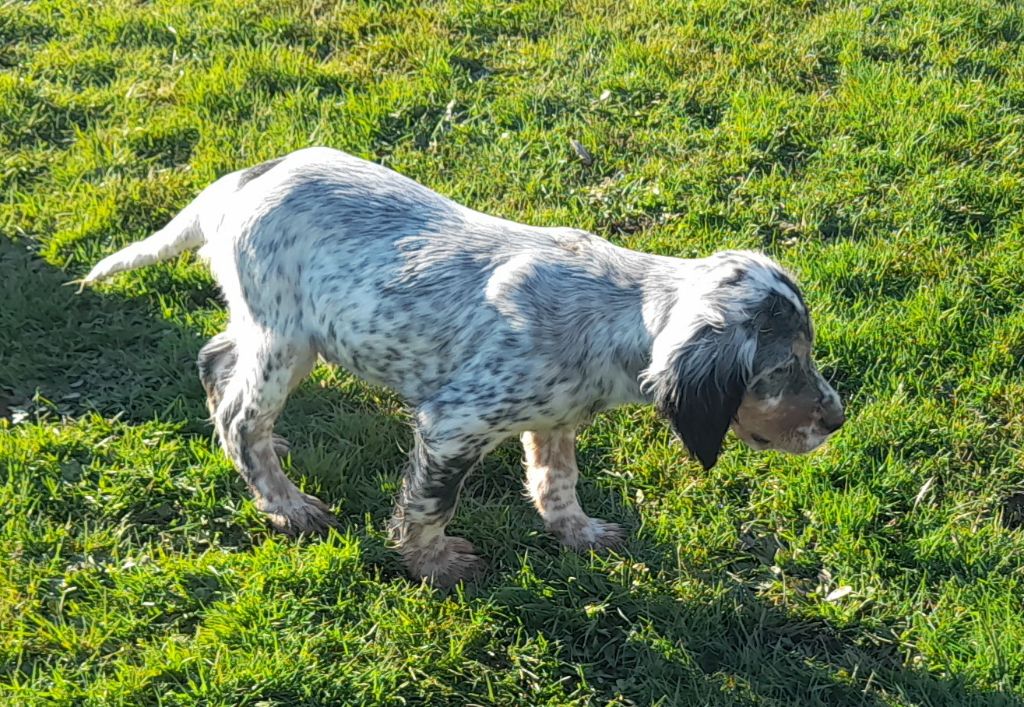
(425, 506)
(551, 476)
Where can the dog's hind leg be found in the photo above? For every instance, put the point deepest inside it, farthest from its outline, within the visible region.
(551, 476)
(216, 363)
(248, 405)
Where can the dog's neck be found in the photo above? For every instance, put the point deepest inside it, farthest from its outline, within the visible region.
(632, 326)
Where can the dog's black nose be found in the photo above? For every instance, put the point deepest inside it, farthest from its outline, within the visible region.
(833, 422)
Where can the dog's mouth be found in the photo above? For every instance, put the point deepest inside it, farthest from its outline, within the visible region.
(751, 439)
(802, 441)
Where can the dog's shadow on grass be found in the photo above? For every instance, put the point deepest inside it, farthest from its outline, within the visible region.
(67, 355)
(690, 639)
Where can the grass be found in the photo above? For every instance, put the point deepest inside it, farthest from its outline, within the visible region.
(872, 147)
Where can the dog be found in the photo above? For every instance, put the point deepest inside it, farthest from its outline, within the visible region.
(486, 328)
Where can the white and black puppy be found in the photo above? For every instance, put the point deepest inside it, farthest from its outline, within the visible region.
(486, 328)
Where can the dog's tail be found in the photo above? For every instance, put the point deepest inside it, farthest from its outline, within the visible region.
(183, 233)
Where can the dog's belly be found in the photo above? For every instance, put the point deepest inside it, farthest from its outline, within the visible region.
(526, 394)
(407, 369)
(397, 338)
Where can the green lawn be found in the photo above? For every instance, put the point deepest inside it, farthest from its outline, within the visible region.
(874, 148)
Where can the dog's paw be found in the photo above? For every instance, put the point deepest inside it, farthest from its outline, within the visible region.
(581, 533)
(445, 563)
(305, 515)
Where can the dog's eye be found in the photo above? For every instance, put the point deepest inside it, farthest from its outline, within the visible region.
(758, 438)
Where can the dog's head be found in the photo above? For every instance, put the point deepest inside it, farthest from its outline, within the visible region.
(736, 351)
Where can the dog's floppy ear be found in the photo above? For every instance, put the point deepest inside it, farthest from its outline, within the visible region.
(701, 386)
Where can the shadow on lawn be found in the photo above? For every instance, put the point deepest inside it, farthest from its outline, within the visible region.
(92, 352)
(66, 355)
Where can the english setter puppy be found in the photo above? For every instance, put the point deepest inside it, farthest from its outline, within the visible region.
(486, 328)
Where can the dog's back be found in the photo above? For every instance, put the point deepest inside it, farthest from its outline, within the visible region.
(382, 274)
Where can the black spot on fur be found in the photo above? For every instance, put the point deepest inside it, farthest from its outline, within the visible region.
(247, 468)
(257, 171)
(218, 353)
(429, 477)
(230, 411)
(787, 281)
(736, 277)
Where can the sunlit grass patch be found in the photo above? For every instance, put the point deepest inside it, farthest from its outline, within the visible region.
(871, 147)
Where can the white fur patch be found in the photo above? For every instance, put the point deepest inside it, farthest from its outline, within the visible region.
(507, 275)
